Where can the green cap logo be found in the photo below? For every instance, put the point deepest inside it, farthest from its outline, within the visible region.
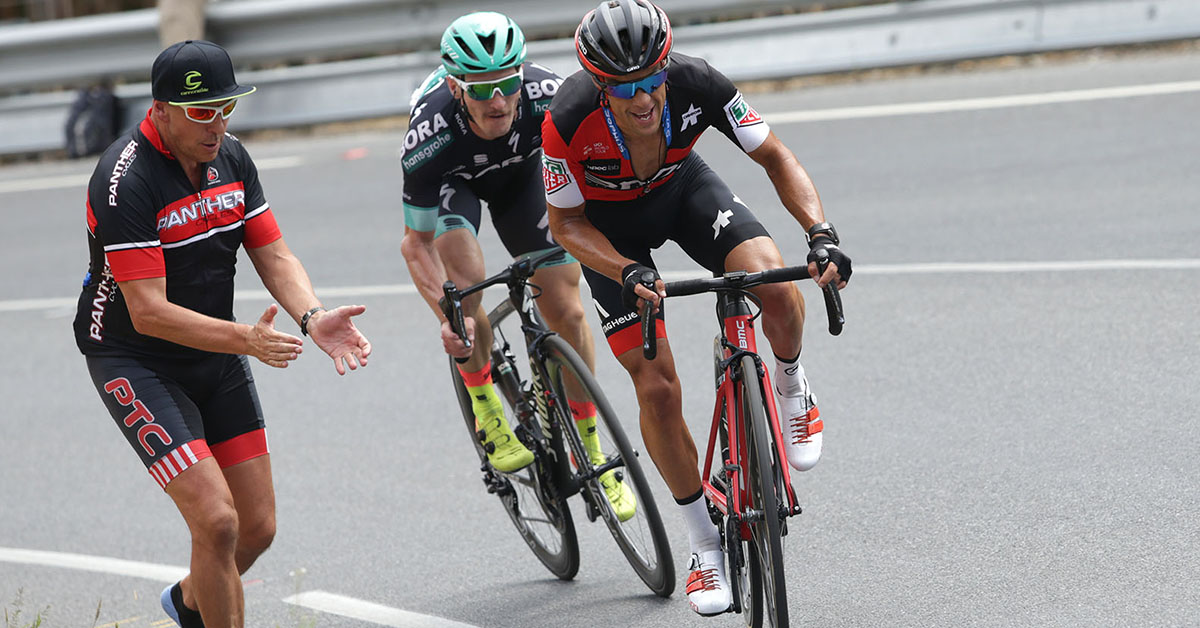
(191, 80)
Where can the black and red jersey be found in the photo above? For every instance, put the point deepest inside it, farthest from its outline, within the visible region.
(145, 219)
(583, 154)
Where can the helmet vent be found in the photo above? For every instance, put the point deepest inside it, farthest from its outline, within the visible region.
(489, 43)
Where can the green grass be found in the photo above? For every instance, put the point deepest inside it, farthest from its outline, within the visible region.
(13, 618)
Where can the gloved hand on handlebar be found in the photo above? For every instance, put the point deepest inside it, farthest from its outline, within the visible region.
(635, 275)
(823, 246)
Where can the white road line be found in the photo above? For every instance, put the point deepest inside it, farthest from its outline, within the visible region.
(316, 600)
(354, 292)
(80, 180)
(975, 104)
(100, 564)
(368, 611)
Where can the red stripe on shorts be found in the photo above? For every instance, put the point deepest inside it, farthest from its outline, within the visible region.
(178, 460)
(241, 448)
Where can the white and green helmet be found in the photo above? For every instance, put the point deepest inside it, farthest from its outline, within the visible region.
(482, 42)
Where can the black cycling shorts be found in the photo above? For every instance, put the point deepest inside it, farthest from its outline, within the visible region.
(176, 413)
(694, 209)
(518, 212)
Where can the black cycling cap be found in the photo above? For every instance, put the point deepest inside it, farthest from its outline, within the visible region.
(194, 71)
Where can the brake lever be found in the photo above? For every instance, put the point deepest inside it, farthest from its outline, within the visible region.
(833, 298)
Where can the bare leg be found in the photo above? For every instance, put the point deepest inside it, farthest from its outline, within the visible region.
(663, 429)
(463, 259)
(203, 498)
(783, 305)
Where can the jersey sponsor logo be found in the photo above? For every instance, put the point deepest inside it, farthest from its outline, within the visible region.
(545, 88)
(619, 321)
(424, 130)
(513, 140)
(203, 207)
(630, 183)
(128, 155)
(480, 159)
(515, 159)
(598, 149)
(419, 155)
(540, 107)
(721, 222)
(740, 112)
(103, 294)
(691, 117)
(121, 389)
(555, 174)
(213, 177)
(602, 166)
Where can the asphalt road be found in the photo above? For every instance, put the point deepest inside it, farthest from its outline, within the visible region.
(1010, 413)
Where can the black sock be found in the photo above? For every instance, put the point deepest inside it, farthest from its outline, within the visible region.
(188, 618)
(787, 361)
(690, 498)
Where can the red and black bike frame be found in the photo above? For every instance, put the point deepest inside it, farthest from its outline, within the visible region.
(738, 339)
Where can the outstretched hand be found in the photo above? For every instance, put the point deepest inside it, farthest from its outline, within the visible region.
(336, 335)
(271, 346)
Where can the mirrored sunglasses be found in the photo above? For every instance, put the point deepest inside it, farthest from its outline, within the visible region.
(486, 90)
(208, 113)
(625, 91)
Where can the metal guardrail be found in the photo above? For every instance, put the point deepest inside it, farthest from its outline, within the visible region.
(264, 32)
(916, 31)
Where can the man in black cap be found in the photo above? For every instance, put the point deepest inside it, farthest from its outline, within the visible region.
(168, 206)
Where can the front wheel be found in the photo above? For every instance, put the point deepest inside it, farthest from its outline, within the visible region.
(533, 502)
(615, 487)
(766, 557)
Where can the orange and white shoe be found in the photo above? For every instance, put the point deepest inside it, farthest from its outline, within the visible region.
(802, 428)
(707, 588)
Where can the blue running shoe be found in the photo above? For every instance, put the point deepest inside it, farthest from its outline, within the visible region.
(172, 603)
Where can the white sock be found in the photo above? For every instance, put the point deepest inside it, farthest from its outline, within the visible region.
(789, 377)
(702, 534)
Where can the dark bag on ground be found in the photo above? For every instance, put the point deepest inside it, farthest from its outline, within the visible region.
(93, 122)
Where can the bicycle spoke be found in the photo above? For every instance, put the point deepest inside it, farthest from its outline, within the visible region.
(620, 496)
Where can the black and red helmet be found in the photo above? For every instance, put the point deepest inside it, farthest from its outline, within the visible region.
(621, 37)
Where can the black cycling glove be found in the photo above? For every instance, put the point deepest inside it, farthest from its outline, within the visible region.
(633, 275)
(825, 239)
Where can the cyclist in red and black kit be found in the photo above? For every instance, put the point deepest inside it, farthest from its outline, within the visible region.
(168, 207)
(621, 178)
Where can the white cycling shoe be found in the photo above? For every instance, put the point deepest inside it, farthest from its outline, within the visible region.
(802, 428)
(707, 587)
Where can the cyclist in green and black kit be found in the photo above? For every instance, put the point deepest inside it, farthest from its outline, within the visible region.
(475, 136)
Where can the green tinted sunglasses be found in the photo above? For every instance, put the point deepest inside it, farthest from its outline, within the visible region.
(486, 90)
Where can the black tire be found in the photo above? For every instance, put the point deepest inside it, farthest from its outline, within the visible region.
(641, 538)
(745, 583)
(533, 502)
(766, 555)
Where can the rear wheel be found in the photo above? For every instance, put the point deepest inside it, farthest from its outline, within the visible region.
(532, 500)
(607, 456)
(765, 557)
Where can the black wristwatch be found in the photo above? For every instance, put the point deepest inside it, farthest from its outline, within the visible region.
(823, 229)
(307, 315)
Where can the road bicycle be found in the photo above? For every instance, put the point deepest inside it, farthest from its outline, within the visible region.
(537, 397)
(750, 494)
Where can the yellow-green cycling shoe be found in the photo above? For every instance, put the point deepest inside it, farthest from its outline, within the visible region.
(623, 501)
(505, 453)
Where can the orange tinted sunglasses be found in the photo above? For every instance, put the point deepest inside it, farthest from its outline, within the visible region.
(205, 114)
